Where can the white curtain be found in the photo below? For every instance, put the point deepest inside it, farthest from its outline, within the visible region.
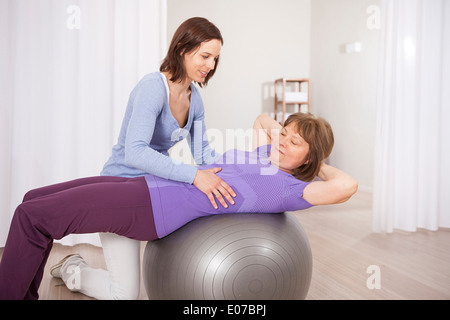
(412, 165)
(66, 70)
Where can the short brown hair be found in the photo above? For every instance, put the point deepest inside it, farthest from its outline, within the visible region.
(188, 37)
(318, 134)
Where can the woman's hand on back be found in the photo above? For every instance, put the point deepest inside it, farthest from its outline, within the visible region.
(210, 184)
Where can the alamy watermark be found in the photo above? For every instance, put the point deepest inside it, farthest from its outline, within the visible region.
(226, 142)
(373, 21)
(74, 280)
(374, 280)
(73, 21)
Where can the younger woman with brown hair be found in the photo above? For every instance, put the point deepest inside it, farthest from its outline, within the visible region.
(164, 108)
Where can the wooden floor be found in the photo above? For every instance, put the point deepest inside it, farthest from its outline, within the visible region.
(411, 265)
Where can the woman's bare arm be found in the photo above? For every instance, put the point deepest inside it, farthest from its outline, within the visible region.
(336, 187)
(264, 128)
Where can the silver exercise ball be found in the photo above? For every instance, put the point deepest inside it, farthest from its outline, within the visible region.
(230, 256)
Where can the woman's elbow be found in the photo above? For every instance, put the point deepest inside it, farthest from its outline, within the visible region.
(129, 158)
(349, 188)
(260, 120)
(257, 122)
(133, 150)
(133, 154)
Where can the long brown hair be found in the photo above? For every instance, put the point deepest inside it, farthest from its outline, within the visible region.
(187, 38)
(318, 134)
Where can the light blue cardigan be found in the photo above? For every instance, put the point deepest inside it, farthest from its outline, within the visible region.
(149, 130)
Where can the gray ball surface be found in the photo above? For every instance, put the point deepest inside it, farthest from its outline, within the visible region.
(228, 257)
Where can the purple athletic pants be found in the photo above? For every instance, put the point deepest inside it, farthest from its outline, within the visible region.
(98, 204)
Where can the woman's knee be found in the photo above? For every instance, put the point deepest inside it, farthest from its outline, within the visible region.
(23, 214)
(26, 222)
(122, 257)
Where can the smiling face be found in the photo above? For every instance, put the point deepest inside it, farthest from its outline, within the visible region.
(202, 60)
(303, 144)
(289, 149)
(193, 38)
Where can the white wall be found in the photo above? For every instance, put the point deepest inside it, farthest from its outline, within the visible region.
(263, 40)
(344, 85)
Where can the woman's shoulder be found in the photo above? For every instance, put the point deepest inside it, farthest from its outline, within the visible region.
(150, 88)
(154, 78)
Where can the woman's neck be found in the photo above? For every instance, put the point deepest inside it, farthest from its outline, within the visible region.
(178, 89)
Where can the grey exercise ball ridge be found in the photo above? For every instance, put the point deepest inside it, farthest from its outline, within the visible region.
(230, 257)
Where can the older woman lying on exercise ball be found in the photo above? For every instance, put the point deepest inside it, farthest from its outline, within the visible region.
(276, 177)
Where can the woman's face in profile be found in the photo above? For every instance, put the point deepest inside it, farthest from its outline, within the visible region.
(201, 61)
(289, 150)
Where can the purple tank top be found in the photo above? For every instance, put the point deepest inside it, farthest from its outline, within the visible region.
(259, 186)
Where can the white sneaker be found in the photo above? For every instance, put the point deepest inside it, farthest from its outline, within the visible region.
(55, 271)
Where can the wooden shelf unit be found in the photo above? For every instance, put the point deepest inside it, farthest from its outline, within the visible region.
(284, 101)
